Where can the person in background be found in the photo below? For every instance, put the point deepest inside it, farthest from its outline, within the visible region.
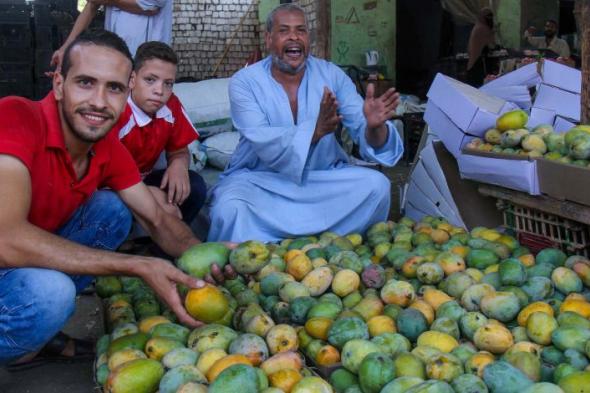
(154, 121)
(136, 21)
(481, 40)
(289, 176)
(550, 41)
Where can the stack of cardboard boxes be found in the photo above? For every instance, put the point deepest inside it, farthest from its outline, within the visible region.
(456, 113)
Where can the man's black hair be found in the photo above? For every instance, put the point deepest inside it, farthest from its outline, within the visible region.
(553, 21)
(154, 50)
(95, 37)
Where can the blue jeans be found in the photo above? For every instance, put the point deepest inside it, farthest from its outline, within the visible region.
(36, 303)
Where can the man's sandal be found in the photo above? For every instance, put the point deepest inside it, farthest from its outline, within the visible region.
(52, 353)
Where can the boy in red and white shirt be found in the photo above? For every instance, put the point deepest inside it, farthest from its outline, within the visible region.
(155, 121)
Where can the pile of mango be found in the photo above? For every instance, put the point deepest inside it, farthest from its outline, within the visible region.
(147, 351)
(511, 136)
(409, 307)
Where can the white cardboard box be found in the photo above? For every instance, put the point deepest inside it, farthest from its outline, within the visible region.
(564, 103)
(516, 174)
(416, 197)
(561, 76)
(451, 136)
(524, 76)
(430, 162)
(541, 116)
(425, 183)
(471, 110)
(518, 94)
(413, 212)
(562, 125)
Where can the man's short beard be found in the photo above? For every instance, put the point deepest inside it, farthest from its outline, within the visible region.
(93, 138)
(286, 68)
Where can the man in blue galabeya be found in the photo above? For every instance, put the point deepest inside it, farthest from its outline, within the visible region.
(289, 176)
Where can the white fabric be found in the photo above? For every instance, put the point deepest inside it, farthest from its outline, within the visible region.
(220, 147)
(137, 29)
(207, 105)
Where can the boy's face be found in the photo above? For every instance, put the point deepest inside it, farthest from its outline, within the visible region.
(153, 85)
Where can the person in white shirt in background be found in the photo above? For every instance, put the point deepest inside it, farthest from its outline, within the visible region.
(136, 21)
(550, 41)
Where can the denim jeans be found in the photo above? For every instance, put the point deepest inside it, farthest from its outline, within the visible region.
(36, 303)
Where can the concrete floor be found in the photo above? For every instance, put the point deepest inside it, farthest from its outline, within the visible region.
(87, 323)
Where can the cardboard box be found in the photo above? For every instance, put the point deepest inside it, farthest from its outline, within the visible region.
(562, 125)
(471, 110)
(414, 212)
(564, 181)
(514, 172)
(444, 183)
(474, 208)
(564, 103)
(430, 161)
(421, 178)
(541, 116)
(453, 138)
(519, 95)
(416, 197)
(561, 76)
(524, 76)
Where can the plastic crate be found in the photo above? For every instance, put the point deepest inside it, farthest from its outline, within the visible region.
(42, 14)
(42, 86)
(42, 60)
(44, 37)
(14, 13)
(16, 79)
(536, 229)
(15, 35)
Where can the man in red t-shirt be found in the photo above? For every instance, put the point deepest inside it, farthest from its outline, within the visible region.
(54, 155)
(154, 121)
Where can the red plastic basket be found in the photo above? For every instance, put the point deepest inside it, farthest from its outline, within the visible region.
(537, 229)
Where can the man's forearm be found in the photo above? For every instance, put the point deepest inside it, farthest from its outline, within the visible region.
(376, 137)
(27, 245)
(172, 235)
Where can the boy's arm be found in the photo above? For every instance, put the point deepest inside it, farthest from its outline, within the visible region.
(176, 177)
(81, 24)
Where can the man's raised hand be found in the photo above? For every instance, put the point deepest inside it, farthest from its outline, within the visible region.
(380, 109)
(328, 118)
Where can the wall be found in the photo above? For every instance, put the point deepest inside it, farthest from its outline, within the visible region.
(508, 23)
(203, 28)
(515, 16)
(358, 26)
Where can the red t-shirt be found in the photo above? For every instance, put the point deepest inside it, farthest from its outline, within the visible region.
(147, 137)
(31, 131)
